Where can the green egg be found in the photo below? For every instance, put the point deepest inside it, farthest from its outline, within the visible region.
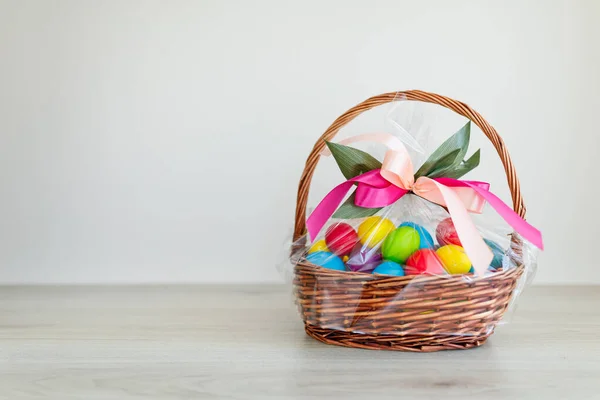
(400, 244)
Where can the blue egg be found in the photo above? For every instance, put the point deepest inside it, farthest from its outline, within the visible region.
(426, 239)
(389, 268)
(472, 270)
(498, 254)
(326, 259)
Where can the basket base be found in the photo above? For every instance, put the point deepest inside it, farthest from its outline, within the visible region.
(414, 343)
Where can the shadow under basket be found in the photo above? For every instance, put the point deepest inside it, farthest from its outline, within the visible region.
(410, 313)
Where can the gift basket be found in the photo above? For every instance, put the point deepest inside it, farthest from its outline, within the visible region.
(391, 258)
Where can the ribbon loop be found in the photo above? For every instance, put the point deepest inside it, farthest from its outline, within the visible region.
(397, 169)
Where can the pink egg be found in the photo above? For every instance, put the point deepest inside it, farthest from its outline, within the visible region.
(424, 261)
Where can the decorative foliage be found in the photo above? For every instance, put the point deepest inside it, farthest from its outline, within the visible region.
(464, 167)
(352, 162)
(449, 156)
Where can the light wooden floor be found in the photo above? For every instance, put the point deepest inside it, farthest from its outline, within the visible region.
(236, 342)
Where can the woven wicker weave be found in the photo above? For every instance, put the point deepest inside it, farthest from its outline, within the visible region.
(409, 313)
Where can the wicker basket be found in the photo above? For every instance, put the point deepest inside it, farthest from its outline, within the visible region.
(409, 313)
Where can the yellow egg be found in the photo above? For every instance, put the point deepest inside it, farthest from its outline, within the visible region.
(318, 246)
(373, 230)
(345, 258)
(454, 259)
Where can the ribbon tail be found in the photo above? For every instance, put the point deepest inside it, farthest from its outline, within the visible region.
(522, 227)
(326, 208)
(479, 253)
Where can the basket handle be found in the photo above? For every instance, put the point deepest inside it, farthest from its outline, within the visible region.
(414, 95)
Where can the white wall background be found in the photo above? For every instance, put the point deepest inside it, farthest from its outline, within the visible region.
(162, 141)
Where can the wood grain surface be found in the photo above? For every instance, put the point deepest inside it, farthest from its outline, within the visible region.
(247, 342)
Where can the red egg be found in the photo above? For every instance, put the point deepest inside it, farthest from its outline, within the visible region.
(424, 261)
(446, 233)
(341, 238)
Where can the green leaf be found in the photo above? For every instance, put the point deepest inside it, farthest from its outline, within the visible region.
(352, 162)
(349, 210)
(444, 164)
(459, 141)
(465, 166)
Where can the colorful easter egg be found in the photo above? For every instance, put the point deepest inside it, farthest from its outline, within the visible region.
(400, 244)
(498, 254)
(319, 245)
(363, 258)
(445, 233)
(424, 261)
(389, 268)
(341, 238)
(326, 260)
(454, 258)
(374, 230)
(424, 236)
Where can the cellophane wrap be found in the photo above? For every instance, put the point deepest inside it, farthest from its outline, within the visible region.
(343, 300)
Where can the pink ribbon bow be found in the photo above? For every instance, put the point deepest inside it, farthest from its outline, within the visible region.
(382, 187)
